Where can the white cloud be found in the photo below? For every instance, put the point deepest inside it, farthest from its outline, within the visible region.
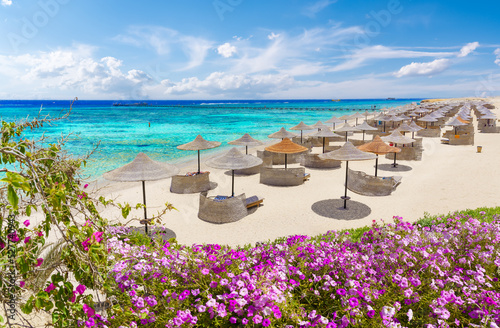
(425, 69)
(224, 84)
(497, 53)
(312, 10)
(273, 36)
(6, 3)
(468, 48)
(73, 71)
(360, 56)
(165, 40)
(226, 50)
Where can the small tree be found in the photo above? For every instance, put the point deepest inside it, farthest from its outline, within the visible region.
(39, 178)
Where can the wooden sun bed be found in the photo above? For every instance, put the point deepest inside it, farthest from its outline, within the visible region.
(253, 201)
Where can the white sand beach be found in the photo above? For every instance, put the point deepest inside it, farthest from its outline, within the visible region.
(448, 178)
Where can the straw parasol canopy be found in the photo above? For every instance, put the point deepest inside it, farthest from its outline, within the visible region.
(319, 125)
(302, 126)
(282, 134)
(286, 146)
(365, 127)
(427, 119)
(345, 118)
(347, 128)
(397, 138)
(378, 147)
(199, 144)
(356, 116)
(234, 160)
(385, 118)
(455, 122)
(142, 168)
(334, 120)
(347, 153)
(246, 141)
(324, 133)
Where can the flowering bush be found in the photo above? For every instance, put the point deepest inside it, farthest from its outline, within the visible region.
(397, 275)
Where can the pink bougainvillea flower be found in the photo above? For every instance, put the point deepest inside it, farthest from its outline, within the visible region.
(27, 239)
(40, 234)
(39, 262)
(97, 236)
(73, 298)
(13, 237)
(50, 288)
(22, 283)
(86, 185)
(26, 223)
(88, 310)
(81, 289)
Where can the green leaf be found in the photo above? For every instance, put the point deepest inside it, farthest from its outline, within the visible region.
(28, 210)
(12, 196)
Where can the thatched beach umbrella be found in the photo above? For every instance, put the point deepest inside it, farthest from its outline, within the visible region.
(455, 122)
(427, 119)
(142, 168)
(282, 134)
(384, 119)
(246, 141)
(286, 146)
(324, 133)
(319, 125)
(356, 116)
(334, 120)
(345, 118)
(347, 128)
(488, 116)
(396, 137)
(302, 126)
(365, 127)
(234, 160)
(199, 144)
(378, 147)
(347, 153)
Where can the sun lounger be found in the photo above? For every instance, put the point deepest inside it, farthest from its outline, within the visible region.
(188, 184)
(282, 177)
(253, 201)
(219, 211)
(370, 185)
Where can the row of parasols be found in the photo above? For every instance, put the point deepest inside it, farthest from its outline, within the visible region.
(142, 168)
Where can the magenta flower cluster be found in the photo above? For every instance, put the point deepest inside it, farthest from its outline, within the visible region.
(398, 275)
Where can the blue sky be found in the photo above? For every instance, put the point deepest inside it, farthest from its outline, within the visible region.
(248, 49)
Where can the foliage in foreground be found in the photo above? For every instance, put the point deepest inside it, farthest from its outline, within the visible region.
(39, 182)
(397, 275)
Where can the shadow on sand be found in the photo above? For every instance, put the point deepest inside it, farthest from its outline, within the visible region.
(334, 208)
(399, 168)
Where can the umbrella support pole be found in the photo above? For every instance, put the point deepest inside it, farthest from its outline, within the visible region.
(285, 160)
(232, 190)
(346, 136)
(301, 136)
(394, 164)
(198, 162)
(246, 147)
(345, 197)
(376, 165)
(363, 135)
(145, 211)
(324, 145)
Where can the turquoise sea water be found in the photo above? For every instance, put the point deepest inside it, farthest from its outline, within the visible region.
(157, 129)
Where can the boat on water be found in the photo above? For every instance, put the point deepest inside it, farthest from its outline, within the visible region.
(391, 99)
(335, 100)
(132, 105)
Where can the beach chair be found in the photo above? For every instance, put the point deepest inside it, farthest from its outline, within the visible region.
(253, 201)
